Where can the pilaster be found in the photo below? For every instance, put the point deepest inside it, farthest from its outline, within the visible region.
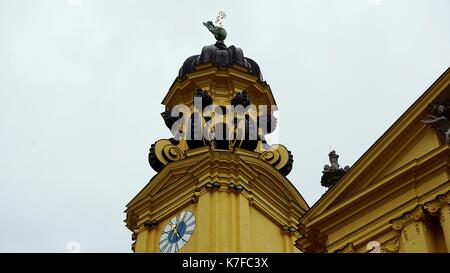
(415, 233)
(440, 207)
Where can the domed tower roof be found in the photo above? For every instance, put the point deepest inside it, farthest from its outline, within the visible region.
(221, 78)
(220, 55)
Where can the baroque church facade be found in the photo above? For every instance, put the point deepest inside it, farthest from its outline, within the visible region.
(220, 187)
(396, 197)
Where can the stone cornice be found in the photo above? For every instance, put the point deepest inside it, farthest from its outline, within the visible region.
(312, 240)
(187, 180)
(166, 151)
(348, 248)
(419, 165)
(419, 213)
(208, 75)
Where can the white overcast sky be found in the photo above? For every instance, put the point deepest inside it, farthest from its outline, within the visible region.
(81, 82)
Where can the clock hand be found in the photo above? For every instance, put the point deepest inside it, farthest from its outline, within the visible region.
(174, 228)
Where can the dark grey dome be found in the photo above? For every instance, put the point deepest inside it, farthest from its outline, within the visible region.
(221, 55)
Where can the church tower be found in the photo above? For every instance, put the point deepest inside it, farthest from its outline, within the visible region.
(219, 187)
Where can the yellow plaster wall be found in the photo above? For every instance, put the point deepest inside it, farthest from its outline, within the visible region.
(225, 222)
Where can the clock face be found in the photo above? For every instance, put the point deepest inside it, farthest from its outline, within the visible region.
(177, 232)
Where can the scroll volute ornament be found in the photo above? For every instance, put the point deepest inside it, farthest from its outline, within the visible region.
(417, 214)
(279, 157)
(435, 205)
(164, 151)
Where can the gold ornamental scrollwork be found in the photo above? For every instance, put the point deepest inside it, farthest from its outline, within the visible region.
(272, 157)
(171, 152)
